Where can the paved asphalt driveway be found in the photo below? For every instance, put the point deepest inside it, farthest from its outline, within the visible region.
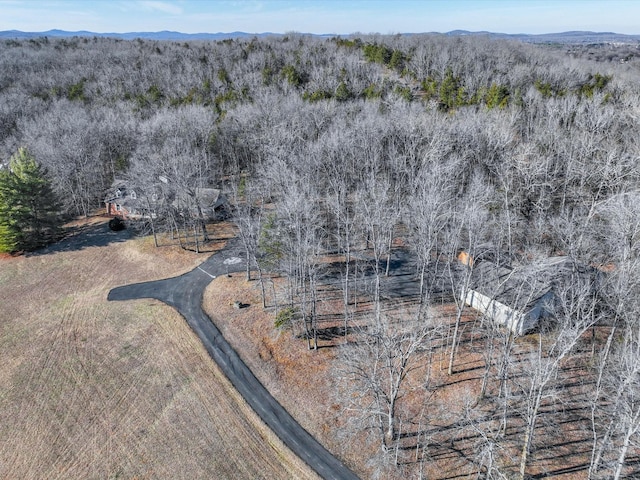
(184, 293)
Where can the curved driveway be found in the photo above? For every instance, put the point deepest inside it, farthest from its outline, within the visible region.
(184, 293)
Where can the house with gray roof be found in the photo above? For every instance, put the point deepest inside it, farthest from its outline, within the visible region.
(205, 202)
(122, 200)
(519, 298)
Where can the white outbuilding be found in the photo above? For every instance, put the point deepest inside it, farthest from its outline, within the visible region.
(518, 298)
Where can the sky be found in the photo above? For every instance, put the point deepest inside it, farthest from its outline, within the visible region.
(321, 16)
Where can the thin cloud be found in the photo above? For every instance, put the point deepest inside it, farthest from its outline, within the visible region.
(321, 16)
(162, 7)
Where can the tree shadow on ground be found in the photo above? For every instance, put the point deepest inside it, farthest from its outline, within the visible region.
(79, 237)
(331, 334)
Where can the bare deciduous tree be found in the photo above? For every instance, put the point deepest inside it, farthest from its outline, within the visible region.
(376, 367)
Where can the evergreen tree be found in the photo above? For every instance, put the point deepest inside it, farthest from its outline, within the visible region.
(343, 93)
(497, 96)
(451, 92)
(28, 205)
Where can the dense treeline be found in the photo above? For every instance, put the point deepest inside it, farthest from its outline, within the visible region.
(371, 144)
(79, 103)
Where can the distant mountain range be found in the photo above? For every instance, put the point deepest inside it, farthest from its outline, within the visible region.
(163, 35)
(577, 37)
(562, 37)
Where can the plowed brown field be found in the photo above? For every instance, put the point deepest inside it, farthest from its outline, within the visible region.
(90, 389)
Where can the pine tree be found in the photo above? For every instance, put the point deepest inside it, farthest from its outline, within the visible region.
(28, 205)
(451, 92)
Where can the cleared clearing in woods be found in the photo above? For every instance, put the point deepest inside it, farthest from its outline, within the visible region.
(92, 389)
(307, 383)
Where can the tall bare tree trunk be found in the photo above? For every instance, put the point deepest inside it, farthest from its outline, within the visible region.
(195, 237)
(623, 453)
(454, 340)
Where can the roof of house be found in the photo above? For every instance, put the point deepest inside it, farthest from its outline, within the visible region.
(208, 199)
(112, 193)
(521, 287)
(123, 194)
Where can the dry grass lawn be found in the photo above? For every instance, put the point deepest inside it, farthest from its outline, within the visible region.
(91, 389)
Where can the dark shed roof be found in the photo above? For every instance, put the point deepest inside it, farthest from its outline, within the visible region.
(521, 287)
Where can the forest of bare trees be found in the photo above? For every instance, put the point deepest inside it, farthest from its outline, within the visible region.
(365, 148)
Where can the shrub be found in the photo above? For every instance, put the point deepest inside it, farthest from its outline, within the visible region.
(116, 224)
(285, 317)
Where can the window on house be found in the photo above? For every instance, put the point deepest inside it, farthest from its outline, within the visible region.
(133, 195)
(118, 207)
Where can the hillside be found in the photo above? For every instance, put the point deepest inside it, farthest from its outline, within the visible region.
(574, 38)
(380, 185)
